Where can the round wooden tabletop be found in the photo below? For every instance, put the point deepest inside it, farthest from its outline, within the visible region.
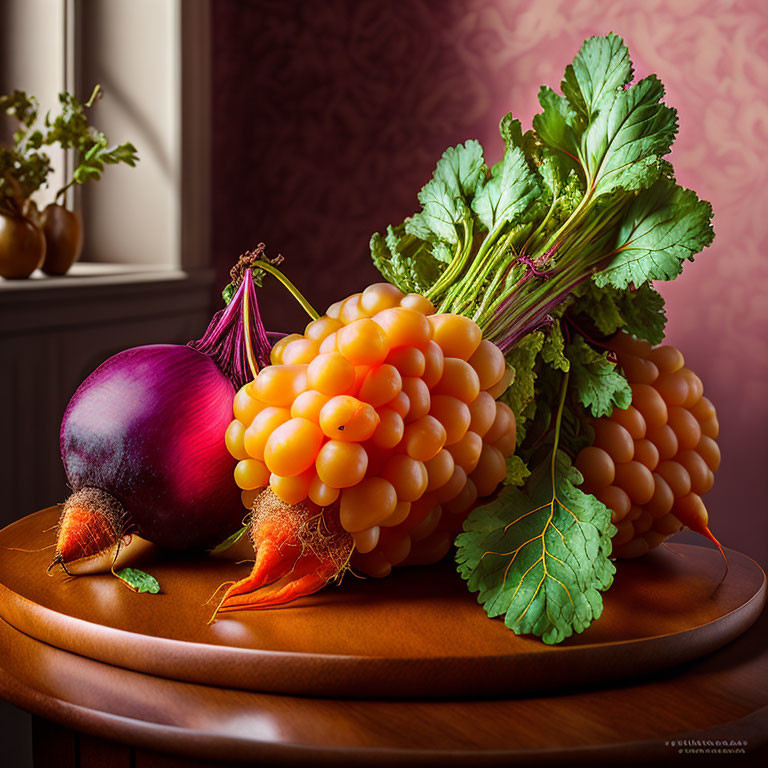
(149, 692)
(416, 634)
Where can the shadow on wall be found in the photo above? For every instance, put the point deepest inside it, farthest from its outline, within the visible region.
(329, 117)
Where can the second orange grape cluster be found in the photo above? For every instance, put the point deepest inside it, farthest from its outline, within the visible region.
(385, 411)
(651, 463)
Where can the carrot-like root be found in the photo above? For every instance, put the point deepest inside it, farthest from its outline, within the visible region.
(92, 523)
(299, 549)
(692, 513)
(94, 535)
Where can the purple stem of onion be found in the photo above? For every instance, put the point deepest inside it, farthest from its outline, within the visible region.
(224, 341)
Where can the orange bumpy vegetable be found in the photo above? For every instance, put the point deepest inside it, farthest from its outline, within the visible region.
(380, 418)
(651, 463)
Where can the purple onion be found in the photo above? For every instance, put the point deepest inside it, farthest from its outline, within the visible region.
(142, 439)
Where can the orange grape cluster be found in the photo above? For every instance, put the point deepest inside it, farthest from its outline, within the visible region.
(650, 464)
(386, 411)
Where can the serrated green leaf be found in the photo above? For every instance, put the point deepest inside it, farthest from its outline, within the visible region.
(599, 385)
(445, 197)
(623, 146)
(522, 358)
(639, 312)
(664, 226)
(618, 133)
(555, 124)
(442, 253)
(416, 225)
(553, 349)
(511, 131)
(442, 211)
(643, 312)
(540, 558)
(462, 168)
(138, 581)
(601, 67)
(509, 192)
(405, 260)
(517, 471)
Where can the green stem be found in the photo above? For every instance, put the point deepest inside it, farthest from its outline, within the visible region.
(458, 262)
(64, 189)
(558, 424)
(569, 222)
(295, 292)
(478, 261)
(97, 94)
(542, 224)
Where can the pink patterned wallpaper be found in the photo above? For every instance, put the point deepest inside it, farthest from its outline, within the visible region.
(329, 116)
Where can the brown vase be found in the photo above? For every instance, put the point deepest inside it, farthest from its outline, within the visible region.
(22, 247)
(63, 237)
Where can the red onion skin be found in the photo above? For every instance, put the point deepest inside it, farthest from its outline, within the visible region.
(148, 427)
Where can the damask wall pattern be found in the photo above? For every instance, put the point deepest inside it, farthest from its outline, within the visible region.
(330, 115)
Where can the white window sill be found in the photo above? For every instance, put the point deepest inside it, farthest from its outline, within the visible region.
(85, 274)
(92, 293)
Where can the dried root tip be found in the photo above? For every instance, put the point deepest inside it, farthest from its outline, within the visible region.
(704, 531)
(91, 527)
(299, 548)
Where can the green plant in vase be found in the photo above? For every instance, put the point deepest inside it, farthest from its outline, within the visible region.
(50, 239)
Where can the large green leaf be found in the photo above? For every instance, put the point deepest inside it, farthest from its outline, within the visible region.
(665, 225)
(445, 197)
(555, 124)
(623, 146)
(540, 558)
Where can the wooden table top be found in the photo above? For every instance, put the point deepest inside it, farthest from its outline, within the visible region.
(722, 696)
(415, 634)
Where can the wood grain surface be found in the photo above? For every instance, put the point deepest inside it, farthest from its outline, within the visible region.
(723, 697)
(416, 634)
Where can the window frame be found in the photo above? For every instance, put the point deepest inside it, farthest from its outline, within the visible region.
(188, 197)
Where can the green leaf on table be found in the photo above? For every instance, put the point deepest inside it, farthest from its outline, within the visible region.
(138, 581)
(230, 541)
(664, 226)
(599, 385)
(540, 558)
